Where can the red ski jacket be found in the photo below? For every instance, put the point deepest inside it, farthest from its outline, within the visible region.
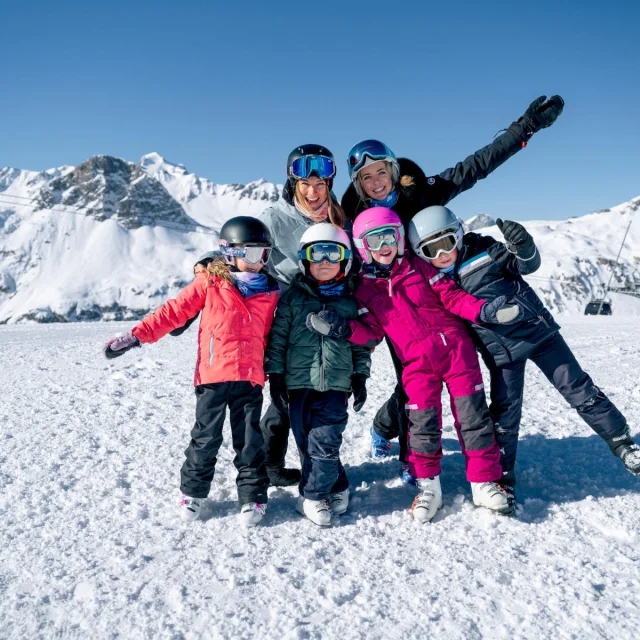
(233, 330)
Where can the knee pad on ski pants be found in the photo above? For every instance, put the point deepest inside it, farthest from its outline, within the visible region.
(425, 430)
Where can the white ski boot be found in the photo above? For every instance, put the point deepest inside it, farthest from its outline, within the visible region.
(627, 450)
(252, 513)
(490, 495)
(339, 502)
(318, 511)
(189, 508)
(428, 500)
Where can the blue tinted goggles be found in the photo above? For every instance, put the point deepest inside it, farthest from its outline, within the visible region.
(373, 149)
(331, 251)
(322, 166)
(254, 255)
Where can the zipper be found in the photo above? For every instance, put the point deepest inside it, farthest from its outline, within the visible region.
(525, 304)
(211, 350)
(444, 340)
(322, 359)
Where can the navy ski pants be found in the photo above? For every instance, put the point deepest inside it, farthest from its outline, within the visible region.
(318, 420)
(245, 404)
(556, 361)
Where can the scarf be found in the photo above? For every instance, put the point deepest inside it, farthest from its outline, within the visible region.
(333, 288)
(448, 269)
(378, 270)
(388, 202)
(320, 215)
(250, 284)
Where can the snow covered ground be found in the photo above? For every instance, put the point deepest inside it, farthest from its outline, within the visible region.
(91, 547)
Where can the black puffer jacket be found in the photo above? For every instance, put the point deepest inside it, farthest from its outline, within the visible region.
(441, 189)
(486, 269)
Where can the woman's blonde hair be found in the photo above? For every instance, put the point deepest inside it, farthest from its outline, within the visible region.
(337, 216)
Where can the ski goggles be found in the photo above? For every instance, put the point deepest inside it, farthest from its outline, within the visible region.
(442, 244)
(305, 166)
(253, 255)
(319, 251)
(373, 149)
(378, 237)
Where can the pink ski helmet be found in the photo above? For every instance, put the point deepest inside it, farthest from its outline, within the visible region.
(370, 220)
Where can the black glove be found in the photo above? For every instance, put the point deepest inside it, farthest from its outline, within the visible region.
(499, 312)
(328, 323)
(278, 391)
(119, 346)
(359, 388)
(208, 258)
(542, 113)
(518, 239)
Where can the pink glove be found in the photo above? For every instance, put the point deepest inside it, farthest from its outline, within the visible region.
(118, 346)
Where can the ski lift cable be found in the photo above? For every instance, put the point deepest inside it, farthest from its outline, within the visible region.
(83, 212)
(614, 266)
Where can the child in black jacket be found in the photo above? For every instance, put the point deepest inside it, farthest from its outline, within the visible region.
(487, 269)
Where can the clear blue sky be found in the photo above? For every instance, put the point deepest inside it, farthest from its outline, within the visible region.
(227, 89)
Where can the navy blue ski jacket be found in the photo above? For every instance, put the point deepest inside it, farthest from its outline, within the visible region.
(487, 269)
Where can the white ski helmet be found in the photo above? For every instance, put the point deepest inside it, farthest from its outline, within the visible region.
(429, 222)
(325, 232)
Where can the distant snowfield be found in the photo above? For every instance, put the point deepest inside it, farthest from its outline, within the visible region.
(91, 545)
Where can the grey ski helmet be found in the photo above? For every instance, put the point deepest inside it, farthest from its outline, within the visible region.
(429, 222)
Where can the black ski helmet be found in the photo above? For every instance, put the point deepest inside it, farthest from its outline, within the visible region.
(245, 230)
(308, 150)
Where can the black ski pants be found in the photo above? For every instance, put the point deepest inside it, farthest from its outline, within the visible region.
(275, 428)
(392, 421)
(245, 404)
(318, 420)
(556, 361)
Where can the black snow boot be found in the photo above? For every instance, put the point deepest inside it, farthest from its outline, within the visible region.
(508, 483)
(627, 450)
(280, 476)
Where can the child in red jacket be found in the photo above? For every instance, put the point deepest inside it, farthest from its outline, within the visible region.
(238, 302)
(420, 311)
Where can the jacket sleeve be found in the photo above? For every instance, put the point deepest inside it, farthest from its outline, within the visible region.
(276, 355)
(366, 330)
(173, 313)
(361, 360)
(453, 298)
(268, 323)
(484, 161)
(514, 264)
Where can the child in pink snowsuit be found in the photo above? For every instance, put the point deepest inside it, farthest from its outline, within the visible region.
(421, 312)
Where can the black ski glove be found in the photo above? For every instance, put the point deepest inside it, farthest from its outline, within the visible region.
(328, 323)
(499, 312)
(359, 388)
(518, 239)
(119, 346)
(278, 391)
(542, 113)
(206, 260)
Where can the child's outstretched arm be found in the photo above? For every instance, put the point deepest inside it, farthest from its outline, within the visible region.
(173, 313)
(366, 331)
(520, 243)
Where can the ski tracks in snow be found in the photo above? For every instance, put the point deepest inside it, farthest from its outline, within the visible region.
(92, 547)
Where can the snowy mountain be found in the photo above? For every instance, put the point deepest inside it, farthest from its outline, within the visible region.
(112, 239)
(480, 221)
(109, 239)
(578, 255)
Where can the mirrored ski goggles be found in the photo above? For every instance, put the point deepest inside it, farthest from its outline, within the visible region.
(254, 255)
(374, 240)
(320, 251)
(442, 244)
(374, 149)
(322, 166)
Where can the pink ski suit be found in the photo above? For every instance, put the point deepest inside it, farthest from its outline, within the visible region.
(417, 308)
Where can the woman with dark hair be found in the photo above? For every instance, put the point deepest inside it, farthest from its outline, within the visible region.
(379, 179)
